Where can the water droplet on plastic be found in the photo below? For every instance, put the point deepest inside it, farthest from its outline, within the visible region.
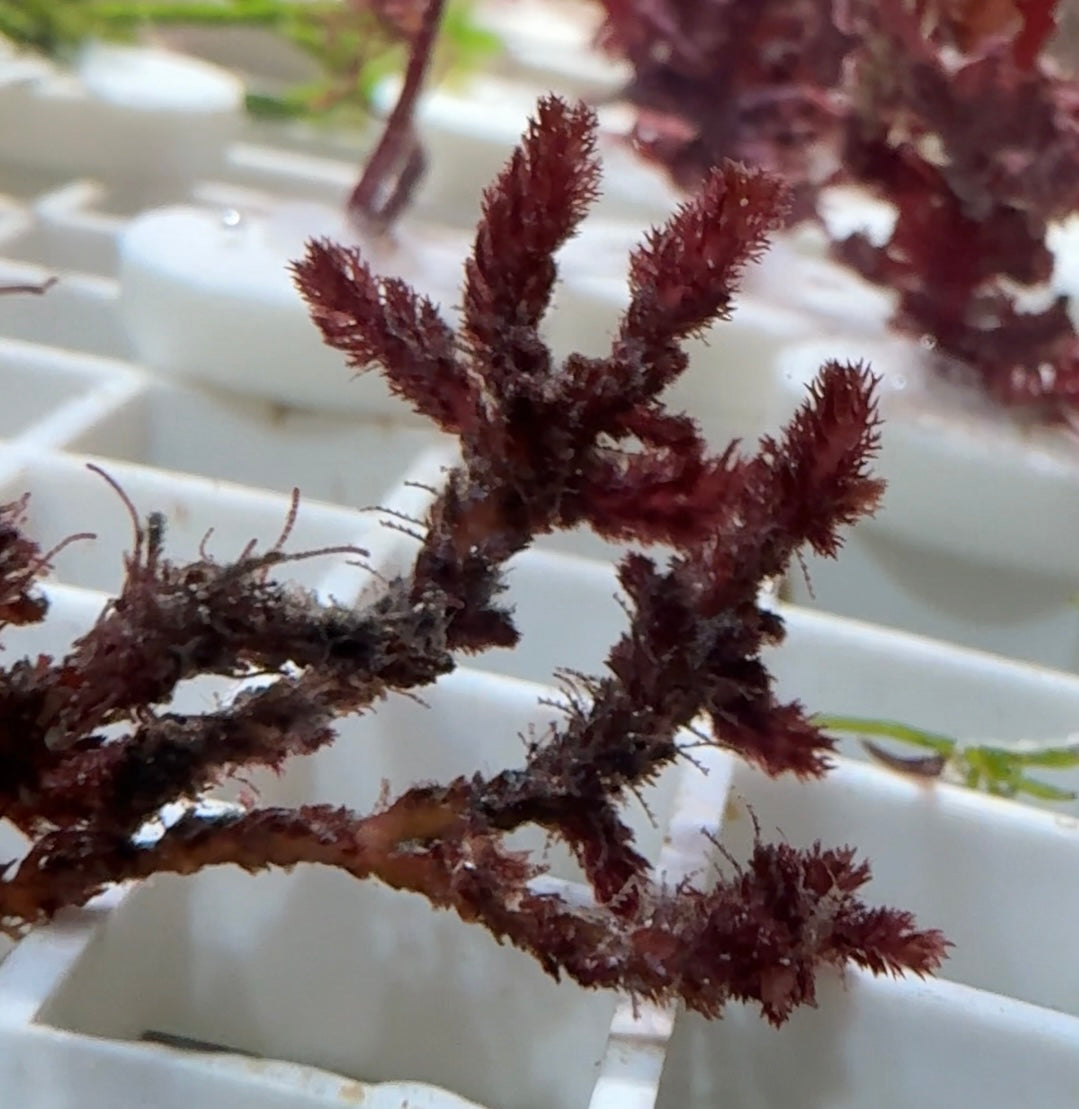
(231, 218)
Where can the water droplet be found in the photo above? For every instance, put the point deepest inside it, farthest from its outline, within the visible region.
(231, 218)
(928, 342)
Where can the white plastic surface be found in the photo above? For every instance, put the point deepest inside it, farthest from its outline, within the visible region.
(135, 111)
(552, 42)
(350, 993)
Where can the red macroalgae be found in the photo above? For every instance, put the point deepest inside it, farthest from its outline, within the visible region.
(754, 81)
(543, 447)
(951, 110)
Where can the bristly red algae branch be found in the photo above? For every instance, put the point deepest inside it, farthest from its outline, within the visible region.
(544, 446)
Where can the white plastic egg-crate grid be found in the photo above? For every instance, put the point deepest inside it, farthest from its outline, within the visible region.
(351, 979)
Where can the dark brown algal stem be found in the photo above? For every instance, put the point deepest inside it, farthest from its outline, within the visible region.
(397, 163)
(36, 290)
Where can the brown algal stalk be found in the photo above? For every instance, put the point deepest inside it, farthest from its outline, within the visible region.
(395, 167)
(544, 446)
